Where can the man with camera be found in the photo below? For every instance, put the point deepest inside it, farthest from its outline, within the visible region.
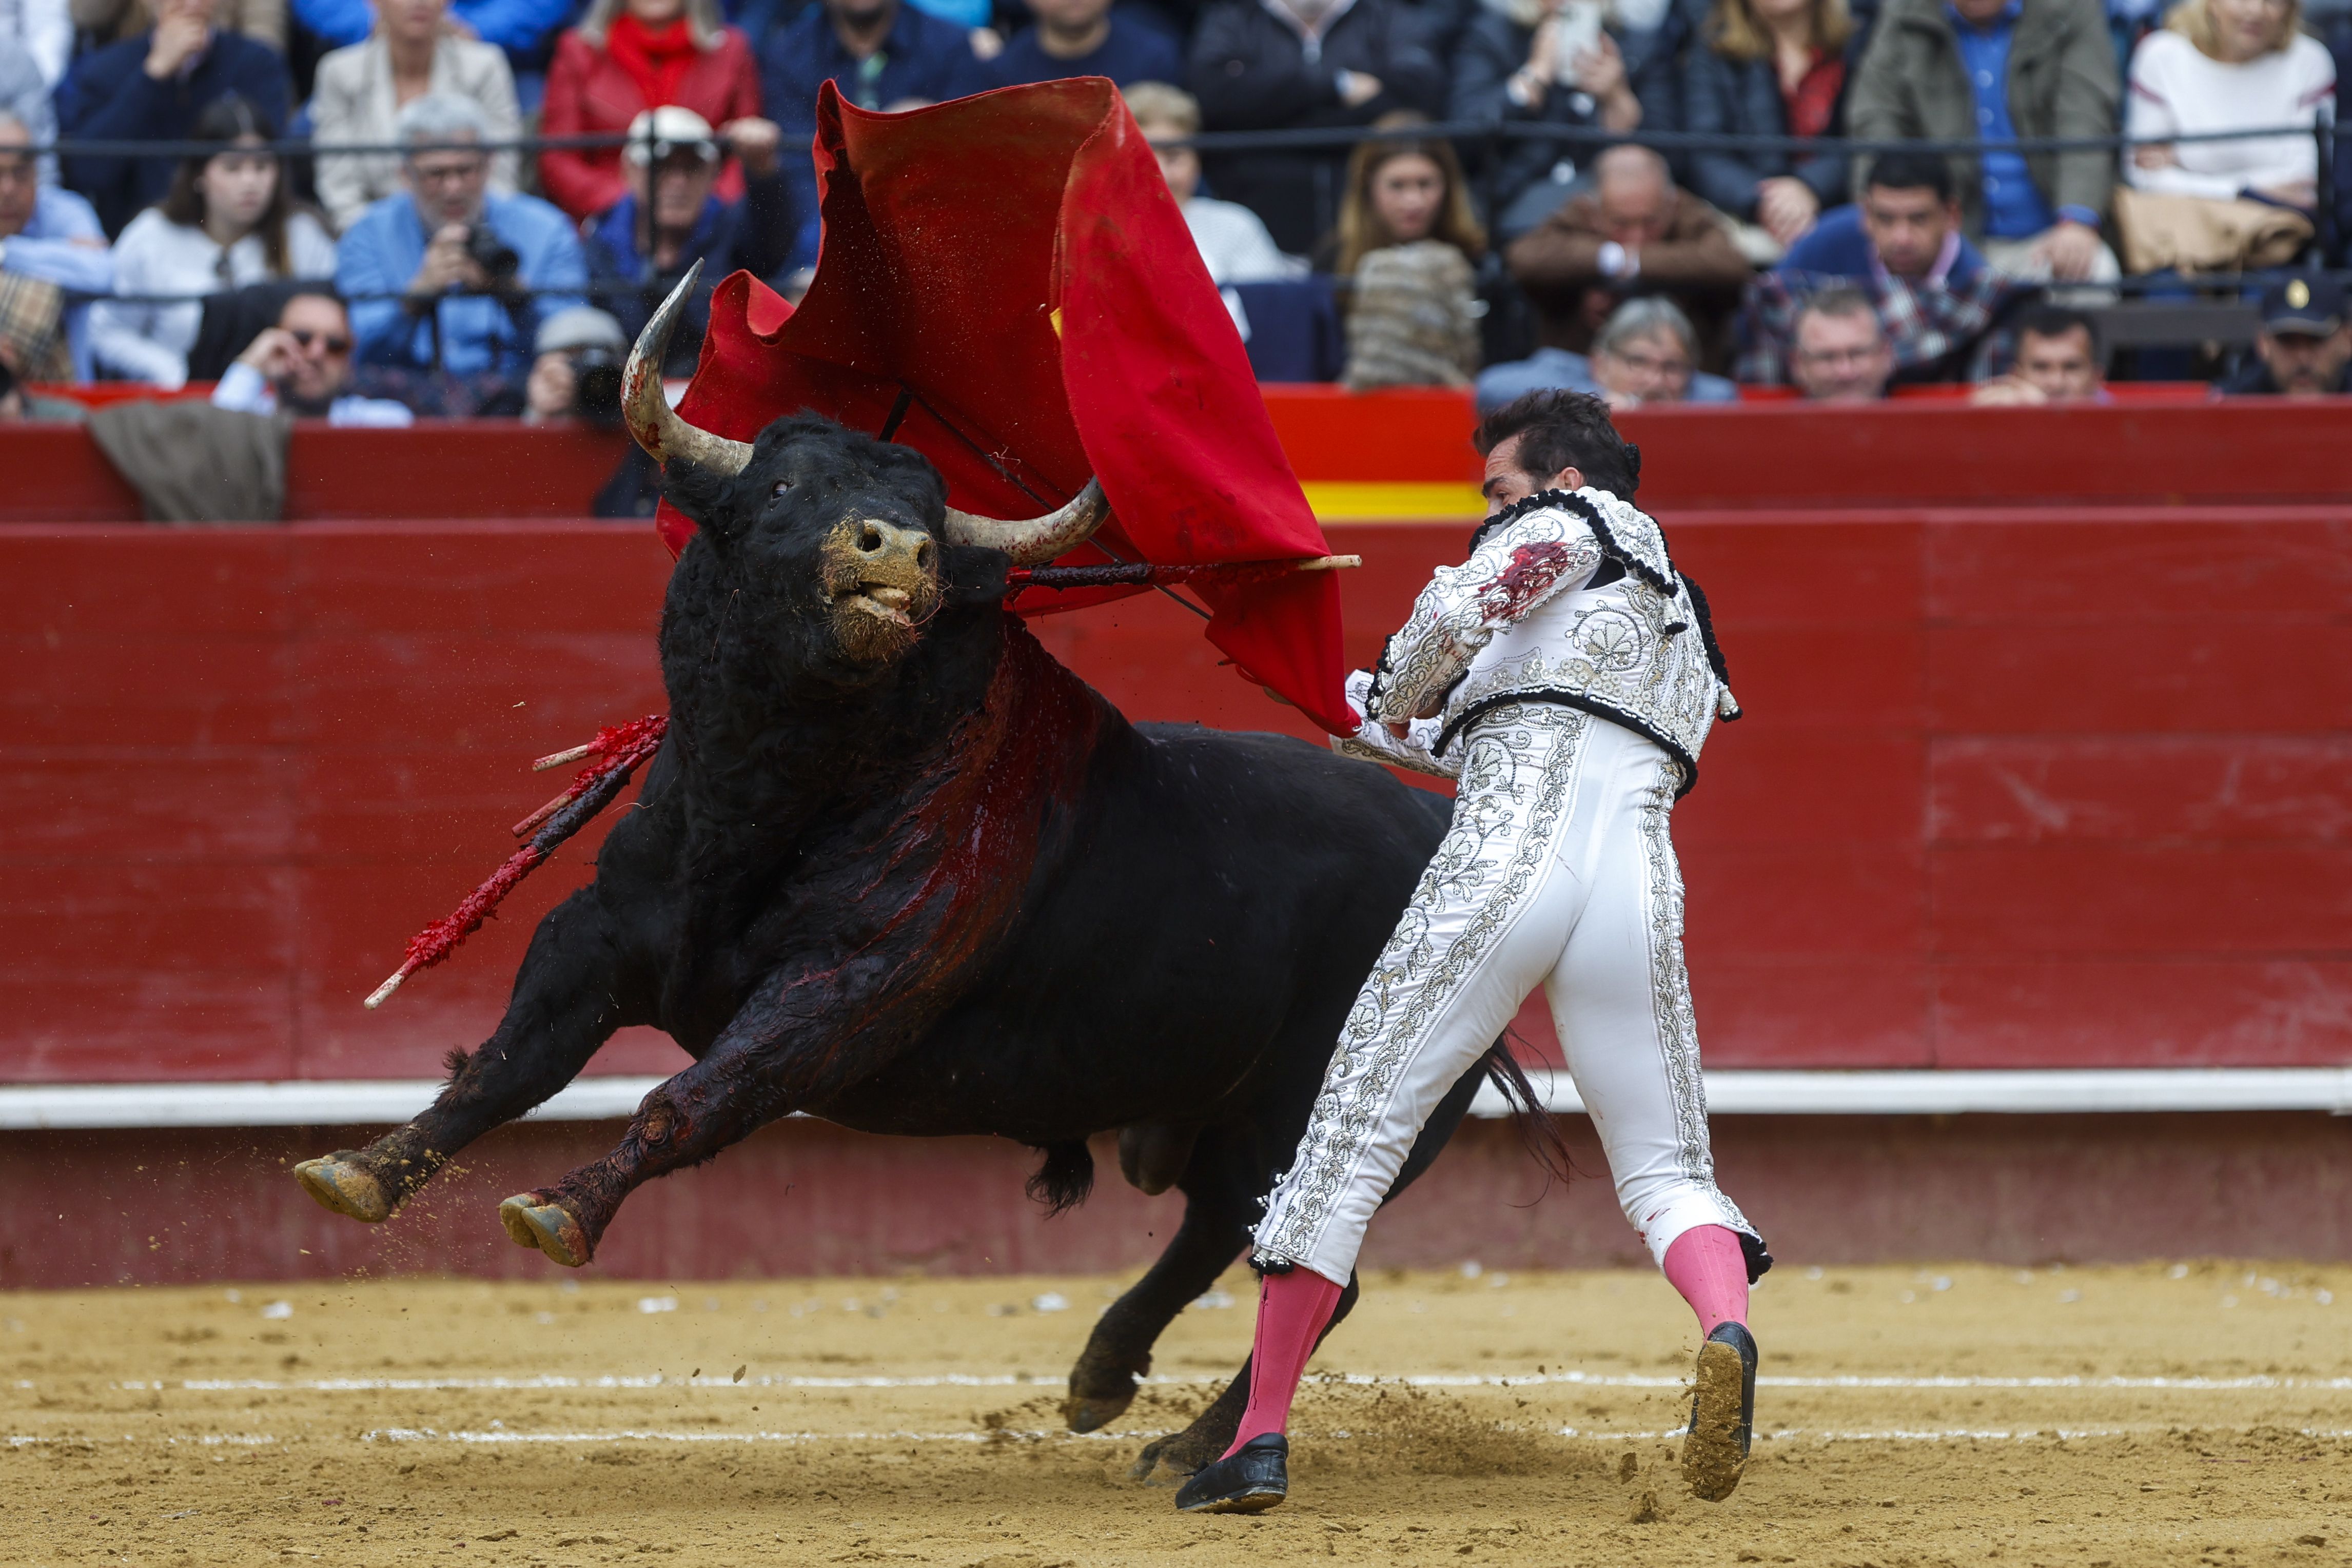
(447, 275)
(577, 372)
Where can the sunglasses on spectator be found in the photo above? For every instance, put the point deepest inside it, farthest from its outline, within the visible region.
(334, 344)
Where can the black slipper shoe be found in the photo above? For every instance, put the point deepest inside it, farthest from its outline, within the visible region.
(1723, 1413)
(1251, 1479)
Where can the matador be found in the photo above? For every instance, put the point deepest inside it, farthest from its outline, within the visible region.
(1565, 675)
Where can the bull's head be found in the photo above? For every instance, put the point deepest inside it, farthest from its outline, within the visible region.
(833, 521)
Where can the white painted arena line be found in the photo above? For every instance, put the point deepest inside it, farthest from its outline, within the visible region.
(498, 1435)
(1416, 1380)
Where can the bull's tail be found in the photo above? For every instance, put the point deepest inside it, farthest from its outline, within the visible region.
(1065, 1176)
(1538, 1128)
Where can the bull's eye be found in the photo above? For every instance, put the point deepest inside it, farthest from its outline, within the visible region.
(782, 486)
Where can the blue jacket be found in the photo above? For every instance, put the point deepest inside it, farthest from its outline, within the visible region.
(518, 27)
(754, 234)
(1838, 248)
(382, 251)
(109, 96)
(922, 57)
(1131, 53)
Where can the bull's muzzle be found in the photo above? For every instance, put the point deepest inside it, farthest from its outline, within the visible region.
(666, 438)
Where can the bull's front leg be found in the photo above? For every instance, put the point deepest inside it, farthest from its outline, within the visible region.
(772, 1059)
(569, 997)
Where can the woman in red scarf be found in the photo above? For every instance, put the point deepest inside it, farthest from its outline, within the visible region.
(628, 56)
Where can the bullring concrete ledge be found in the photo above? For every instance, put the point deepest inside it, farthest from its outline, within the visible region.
(1730, 1092)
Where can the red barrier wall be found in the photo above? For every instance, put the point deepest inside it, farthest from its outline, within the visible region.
(1785, 455)
(2019, 787)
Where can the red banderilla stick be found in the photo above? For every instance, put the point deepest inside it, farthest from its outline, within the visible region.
(621, 748)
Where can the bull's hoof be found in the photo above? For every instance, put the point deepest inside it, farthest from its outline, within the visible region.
(548, 1227)
(341, 1186)
(1180, 1454)
(1083, 1413)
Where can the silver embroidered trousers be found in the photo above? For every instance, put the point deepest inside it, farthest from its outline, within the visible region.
(1558, 871)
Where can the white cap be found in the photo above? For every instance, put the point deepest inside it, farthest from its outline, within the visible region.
(578, 327)
(669, 129)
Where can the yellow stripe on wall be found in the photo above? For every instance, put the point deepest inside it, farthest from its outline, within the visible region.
(1393, 503)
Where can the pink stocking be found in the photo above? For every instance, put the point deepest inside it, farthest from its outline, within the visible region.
(1291, 1312)
(1707, 1265)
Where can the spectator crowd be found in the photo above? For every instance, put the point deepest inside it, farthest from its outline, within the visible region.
(448, 272)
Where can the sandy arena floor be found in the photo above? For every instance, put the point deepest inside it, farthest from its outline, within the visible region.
(2091, 1416)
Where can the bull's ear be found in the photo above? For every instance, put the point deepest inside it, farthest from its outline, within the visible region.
(705, 497)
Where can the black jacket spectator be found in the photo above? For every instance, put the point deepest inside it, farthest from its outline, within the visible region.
(1723, 96)
(109, 96)
(1252, 71)
(1492, 48)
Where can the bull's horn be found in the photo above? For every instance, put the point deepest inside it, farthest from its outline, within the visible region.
(665, 437)
(1040, 539)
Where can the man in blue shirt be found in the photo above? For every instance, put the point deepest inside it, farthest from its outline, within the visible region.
(1081, 38)
(151, 87)
(881, 53)
(50, 246)
(1936, 296)
(447, 275)
(1997, 71)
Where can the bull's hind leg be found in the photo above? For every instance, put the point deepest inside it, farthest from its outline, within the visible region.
(564, 1005)
(1215, 1184)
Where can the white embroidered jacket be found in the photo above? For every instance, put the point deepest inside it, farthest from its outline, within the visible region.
(1521, 621)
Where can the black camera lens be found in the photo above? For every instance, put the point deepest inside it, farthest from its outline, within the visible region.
(494, 256)
(596, 383)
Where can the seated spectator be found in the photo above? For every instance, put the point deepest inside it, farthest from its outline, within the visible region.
(303, 365)
(1771, 67)
(673, 217)
(2218, 66)
(449, 277)
(226, 222)
(112, 21)
(1233, 240)
(1542, 62)
(151, 88)
(880, 54)
(1633, 233)
(50, 246)
(625, 58)
(25, 98)
(1841, 352)
(1408, 241)
(362, 88)
(42, 31)
(2305, 349)
(575, 371)
(1901, 246)
(520, 28)
(2057, 361)
(1266, 65)
(2000, 70)
(18, 406)
(1647, 353)
(1081, 38)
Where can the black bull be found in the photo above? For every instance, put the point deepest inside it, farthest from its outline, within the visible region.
(895, 866)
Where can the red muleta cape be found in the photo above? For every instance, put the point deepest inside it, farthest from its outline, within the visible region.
(1008, 277)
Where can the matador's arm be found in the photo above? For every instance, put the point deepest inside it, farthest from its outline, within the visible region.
(1538, 552)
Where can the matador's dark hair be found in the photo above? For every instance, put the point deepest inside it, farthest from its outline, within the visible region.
(1565, 430)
